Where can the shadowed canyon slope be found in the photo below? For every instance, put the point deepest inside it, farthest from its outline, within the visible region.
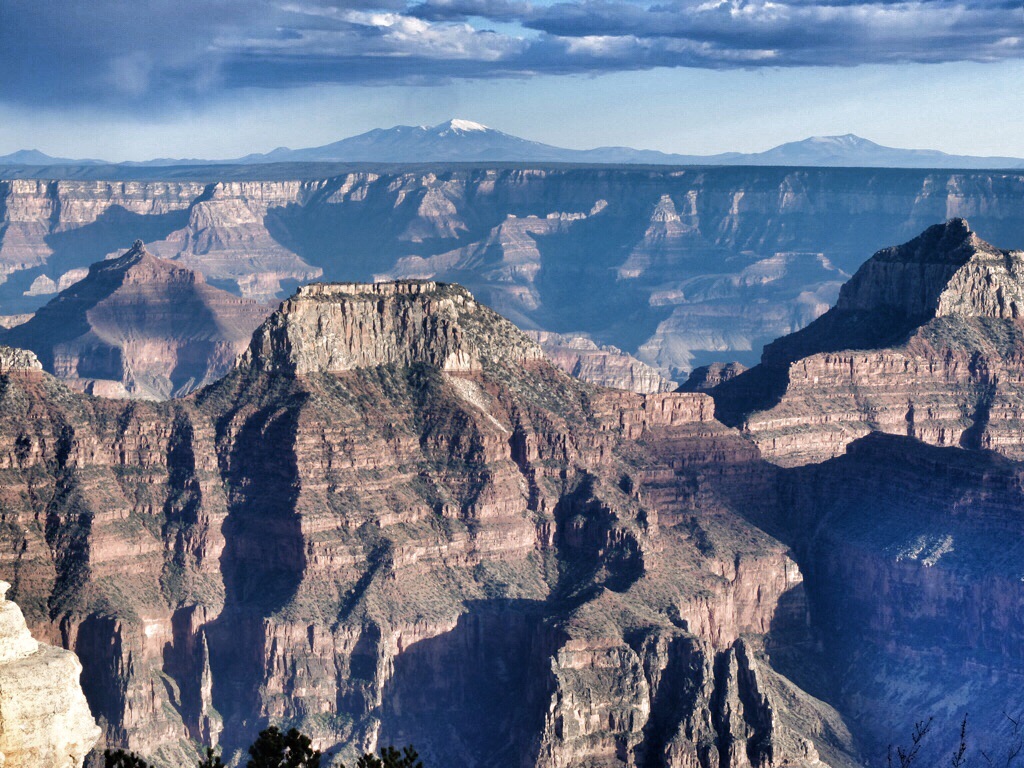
(678, 267)
(924, 341)
(396, 521)
(139, 326)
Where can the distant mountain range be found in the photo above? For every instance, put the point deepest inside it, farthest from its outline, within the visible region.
(465, 141)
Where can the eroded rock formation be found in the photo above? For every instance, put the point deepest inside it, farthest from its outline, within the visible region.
(395, 520)
(925, 341)
(139, 326)
(44, 718)
(600, 364)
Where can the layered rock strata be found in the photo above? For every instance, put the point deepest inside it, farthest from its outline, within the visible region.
(678, 267)
(915, 584)
(44, 718)
(600, 364)
(396, 521)
(925, 341)
(139, 326)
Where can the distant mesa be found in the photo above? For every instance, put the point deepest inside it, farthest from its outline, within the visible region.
(601, 364)
(925, 340)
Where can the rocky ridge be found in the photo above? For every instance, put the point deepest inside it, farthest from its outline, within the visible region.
(392, 503)
(44, 718)
(924, 341)
(139, 326)
(678, 267)
(600, 364)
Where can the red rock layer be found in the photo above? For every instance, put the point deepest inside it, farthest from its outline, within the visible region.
(489, 559)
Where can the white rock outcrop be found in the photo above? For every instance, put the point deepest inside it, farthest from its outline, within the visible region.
(44, 718)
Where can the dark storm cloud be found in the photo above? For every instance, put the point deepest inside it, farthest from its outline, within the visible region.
(162, 53)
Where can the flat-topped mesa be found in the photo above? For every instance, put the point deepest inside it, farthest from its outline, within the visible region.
(338, 327)
(44, 717)
(946, 271)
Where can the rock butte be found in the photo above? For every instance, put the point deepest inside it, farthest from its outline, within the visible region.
(44, 718)
(139, 326)
(395, 507)
(395, 521)
(925, 340)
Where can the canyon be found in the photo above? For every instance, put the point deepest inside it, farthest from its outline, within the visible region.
(396, 520)
(678, 267)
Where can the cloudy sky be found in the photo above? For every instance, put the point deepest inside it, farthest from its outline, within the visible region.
(217, 78)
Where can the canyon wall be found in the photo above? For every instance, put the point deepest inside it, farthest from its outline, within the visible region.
(396, 521)
(915, 584)
(678, 267)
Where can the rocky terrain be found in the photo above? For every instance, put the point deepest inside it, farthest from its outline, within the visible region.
(600, 364)
(679, 267)
(924, 341)
(391, 510)
(44, 718)
(139, 326)
(397, 521)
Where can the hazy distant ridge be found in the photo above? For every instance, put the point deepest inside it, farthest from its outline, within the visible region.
(465, 141)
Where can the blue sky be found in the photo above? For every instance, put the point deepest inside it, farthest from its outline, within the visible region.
(220, 78)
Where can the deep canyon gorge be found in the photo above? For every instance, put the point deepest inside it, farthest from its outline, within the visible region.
(677, 267)
(395, 520)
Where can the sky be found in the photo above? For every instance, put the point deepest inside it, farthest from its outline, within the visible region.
(222, 78)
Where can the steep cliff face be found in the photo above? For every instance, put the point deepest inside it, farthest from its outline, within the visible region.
(396, 521)
(600, 364)
(915, 584)
(924, 341)
(44, 718)
(678, 267)
(139, 326)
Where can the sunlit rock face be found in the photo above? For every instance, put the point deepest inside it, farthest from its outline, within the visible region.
(600, 364)
(925, 340)
(396, 521)
(44, 718)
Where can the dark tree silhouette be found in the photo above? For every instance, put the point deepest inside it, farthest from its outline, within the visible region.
(118, 758)
(212, 760)
(390, 758)
(274, 749)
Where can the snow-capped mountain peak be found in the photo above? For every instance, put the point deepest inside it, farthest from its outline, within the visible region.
(457, 125)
